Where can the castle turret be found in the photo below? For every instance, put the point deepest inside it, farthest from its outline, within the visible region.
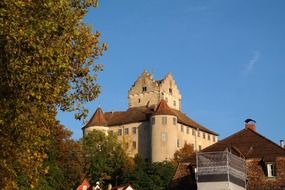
(97, 122)
(163, 133)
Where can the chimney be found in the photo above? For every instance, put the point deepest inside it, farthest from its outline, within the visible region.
(282, 143)
(250, 124)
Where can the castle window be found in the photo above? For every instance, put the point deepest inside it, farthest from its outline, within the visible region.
(174, 103)
(209, 137)
(139, 100)
(134, 144)
(126, 131)
(164, 137)
(170, 90)
(178, 143)
(200, 147)
(174, 121)
(134, 129)
(126, 145)
(270, 170)
(204, 135)
(119, 132)
(182, 128)
(214, 139)
(164, 120)
(144, 88)
(198, 133)
(153, 120)
(193, 131)
(187, 130)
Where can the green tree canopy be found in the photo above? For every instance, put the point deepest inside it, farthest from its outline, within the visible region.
(105, 159)
(152, 176)
(46, 62)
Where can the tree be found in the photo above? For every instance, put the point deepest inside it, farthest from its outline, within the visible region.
(105, 160)
(152, 176)
(46, 62)
(65, 161)
(184, 153)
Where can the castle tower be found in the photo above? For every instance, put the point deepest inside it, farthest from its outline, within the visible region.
(97, 122)
(163, 133)
(146, 92)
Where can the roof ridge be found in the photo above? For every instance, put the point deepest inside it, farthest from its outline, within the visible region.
(267, 139)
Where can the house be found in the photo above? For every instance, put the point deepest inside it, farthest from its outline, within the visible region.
(264, 160)
(84, 185)
(124, 187)
(154, 125)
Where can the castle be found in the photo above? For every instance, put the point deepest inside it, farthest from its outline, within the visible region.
(153, 125)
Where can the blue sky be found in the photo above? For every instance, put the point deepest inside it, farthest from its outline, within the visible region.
(227, 58)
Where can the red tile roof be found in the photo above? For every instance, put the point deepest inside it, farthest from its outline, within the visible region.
(141, 114)
(98, 119)
(163, 109)
(250, 144)
(84, 183)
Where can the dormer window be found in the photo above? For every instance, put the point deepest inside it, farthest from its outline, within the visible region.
(144, 88)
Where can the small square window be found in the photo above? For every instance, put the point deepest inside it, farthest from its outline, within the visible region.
(174, 121)
(139, 100)
(126, 145)
(134, 129)
(178, 143)
(170, 90)
(193, 131)
(144, 89)
(126, 131)
(164, 120)
(209, 137)
(187, 130)
(164, 137)
(153, 121)
(182, 128)
(270, 170)
(119, 132)
(134, 144)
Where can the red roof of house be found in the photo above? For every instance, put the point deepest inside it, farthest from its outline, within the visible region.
(84, 183)
(250, 144)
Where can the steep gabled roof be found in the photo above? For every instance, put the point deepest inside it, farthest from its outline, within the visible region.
(251, 144)
(163, 109)
(98, 119)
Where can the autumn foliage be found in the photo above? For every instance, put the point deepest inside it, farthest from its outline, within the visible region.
(46, 62)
